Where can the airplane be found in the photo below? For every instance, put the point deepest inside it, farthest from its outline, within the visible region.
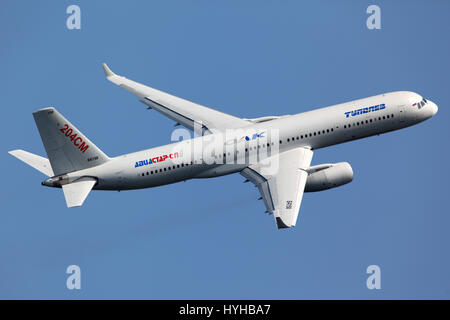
(272, 152)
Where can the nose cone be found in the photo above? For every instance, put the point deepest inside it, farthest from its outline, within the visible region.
(434, 108)
(430, 109)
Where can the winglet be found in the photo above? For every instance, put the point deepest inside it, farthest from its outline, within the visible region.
(107, 70)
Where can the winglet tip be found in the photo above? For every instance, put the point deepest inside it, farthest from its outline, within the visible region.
(107, 70)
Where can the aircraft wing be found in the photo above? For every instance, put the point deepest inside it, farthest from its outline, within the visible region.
(282, 189)
(184, 112)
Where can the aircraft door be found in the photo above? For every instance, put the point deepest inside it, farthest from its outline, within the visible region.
(402, 114)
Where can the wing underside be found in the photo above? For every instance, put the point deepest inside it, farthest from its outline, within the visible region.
(282, 188)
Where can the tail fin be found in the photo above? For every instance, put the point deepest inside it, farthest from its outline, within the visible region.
(67, 148)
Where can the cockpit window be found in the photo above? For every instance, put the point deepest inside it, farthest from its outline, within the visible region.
(420, 104)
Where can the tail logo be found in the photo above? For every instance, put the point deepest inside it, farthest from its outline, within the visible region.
(77, 141)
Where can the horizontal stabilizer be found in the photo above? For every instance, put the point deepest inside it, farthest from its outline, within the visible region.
(76, 192)
(39, 163)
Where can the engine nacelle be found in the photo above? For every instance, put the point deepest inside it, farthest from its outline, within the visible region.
(327, 176)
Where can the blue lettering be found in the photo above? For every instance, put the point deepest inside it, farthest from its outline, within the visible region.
(364, 110)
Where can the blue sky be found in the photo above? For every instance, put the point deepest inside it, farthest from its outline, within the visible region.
(207, 239)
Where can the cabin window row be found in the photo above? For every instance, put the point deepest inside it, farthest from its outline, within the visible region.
(166, 169)
(360, 123)
(306, 135)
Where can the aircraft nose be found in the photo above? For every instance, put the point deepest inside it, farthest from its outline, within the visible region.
(433, 108)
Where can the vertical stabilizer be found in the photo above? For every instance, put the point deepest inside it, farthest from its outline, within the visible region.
(67, 148)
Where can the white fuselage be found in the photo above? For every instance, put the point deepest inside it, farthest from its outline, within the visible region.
(313, 129)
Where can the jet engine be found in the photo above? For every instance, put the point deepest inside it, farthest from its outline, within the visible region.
(327, 176)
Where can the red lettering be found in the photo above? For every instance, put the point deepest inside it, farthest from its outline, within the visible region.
(175, 155)
(73, 136)
(165, 157)
(66, 126)
(83, 147)
(155, 160)
(69, 132)
(75, 142)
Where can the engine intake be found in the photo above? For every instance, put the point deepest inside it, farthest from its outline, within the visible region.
(327, 176)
